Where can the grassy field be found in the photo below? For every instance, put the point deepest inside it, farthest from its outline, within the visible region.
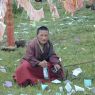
(74, 42)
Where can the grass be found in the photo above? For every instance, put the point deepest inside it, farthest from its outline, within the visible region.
(74, 42)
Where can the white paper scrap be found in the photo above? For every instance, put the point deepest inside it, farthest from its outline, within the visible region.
(77, 71)
(78, 88)
(68, 87)
(56, 81)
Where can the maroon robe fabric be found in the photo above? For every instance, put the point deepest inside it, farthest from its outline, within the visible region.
(29, 72)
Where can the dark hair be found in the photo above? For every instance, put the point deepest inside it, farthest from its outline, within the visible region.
(42, 28)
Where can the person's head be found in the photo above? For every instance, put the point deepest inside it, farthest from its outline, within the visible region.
(43, 34)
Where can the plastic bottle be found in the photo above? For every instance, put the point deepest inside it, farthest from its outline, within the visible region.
(45, 73)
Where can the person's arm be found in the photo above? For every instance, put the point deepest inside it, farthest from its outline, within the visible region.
(54, 59)
(30, 55)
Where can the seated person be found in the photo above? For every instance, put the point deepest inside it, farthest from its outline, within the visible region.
(39, 54)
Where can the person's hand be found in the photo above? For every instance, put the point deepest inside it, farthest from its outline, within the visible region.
(43, 63)
(57, 66)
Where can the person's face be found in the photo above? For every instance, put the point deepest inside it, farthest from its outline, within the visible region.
(43, 36)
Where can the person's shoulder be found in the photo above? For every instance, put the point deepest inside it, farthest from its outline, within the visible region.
(32, 42)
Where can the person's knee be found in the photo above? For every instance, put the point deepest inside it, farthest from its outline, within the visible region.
(25, 65)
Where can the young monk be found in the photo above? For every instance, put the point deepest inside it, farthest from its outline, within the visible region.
(39, 54)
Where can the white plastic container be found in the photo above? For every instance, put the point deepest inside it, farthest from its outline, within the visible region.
(45, 73)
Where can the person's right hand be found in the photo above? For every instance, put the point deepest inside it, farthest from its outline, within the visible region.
(43, 63)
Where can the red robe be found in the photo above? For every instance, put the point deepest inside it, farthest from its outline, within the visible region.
(29, 72)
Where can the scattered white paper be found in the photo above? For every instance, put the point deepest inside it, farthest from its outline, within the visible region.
(78, 88)
(60, 59)
(56, 81)
(7, 84)
(2, 69)
(77, 71)
(44, 87)
(61, 89)
(1, 59)
(67, 81)
(68, 87)
(18, 60)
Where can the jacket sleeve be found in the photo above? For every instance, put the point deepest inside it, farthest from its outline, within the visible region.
(54, 59)
(30, 55)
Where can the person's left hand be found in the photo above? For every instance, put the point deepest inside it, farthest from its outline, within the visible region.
(57, 66)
